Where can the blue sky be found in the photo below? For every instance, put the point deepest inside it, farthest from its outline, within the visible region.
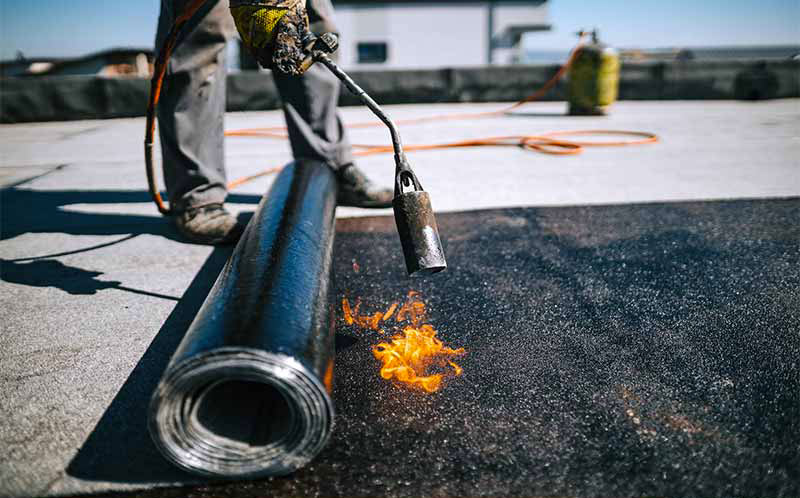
(670, 23)
(74, 27)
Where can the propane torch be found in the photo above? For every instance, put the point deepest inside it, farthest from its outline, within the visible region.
(413, 214)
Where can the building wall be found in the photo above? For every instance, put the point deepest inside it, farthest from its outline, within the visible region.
(422, 35)
(506, 15)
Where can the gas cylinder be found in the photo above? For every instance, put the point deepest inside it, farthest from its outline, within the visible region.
(593, 79)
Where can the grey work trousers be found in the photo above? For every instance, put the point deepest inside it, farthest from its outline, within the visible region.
(192, 106)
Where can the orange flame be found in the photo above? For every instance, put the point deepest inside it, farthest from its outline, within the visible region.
(371, 321)
(411, 354)
(413, 310)
(389, 312)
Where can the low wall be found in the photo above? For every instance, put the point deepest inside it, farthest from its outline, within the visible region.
(89, 97)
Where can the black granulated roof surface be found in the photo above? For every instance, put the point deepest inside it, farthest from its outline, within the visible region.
(611, 351)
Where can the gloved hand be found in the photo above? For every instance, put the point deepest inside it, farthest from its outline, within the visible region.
(275, 31)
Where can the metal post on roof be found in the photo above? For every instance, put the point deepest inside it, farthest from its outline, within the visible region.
(490, 32)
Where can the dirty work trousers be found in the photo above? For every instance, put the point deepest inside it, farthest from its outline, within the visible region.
(192, 105)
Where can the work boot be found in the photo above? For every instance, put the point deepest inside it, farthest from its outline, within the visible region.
(356, 190)
(209, 224)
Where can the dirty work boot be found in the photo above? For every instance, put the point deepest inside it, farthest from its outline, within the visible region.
(356, 190)
(209, 224)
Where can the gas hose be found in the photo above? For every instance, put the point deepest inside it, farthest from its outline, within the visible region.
(552, 143)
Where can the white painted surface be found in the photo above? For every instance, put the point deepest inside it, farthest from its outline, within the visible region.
(430, 34)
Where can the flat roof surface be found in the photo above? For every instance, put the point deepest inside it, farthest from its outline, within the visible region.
(696, 338)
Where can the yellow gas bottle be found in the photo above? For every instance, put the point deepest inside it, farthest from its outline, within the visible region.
(593, 79)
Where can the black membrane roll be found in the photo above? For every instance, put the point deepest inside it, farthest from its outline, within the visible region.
(247, 392)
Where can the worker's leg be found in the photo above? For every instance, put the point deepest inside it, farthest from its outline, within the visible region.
(192, 105)
(315, 127)
(190, 118)
(309, 102)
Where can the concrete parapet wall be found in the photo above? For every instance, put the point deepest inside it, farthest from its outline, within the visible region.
(76, 97)
(693, 80)
(64, 98)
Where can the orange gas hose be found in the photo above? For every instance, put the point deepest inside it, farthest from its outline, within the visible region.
(159, 71)
(546, 143)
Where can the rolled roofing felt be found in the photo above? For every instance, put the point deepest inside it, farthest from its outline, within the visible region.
(247, 392)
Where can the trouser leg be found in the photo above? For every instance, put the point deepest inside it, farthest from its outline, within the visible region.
(192, 105)
(309, 103)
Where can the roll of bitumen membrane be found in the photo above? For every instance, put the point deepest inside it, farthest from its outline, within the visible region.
(247, 392)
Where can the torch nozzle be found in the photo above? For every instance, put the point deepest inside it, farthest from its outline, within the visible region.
(416, 225)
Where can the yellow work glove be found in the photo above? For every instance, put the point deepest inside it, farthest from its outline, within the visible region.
(275, 31)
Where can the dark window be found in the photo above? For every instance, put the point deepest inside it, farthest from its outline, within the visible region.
(372, 52)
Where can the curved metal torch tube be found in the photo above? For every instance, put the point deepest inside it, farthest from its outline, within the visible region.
(373, 106)
(413, 213)
(247, 393)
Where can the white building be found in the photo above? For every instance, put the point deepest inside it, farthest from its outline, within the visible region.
(437, 33)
